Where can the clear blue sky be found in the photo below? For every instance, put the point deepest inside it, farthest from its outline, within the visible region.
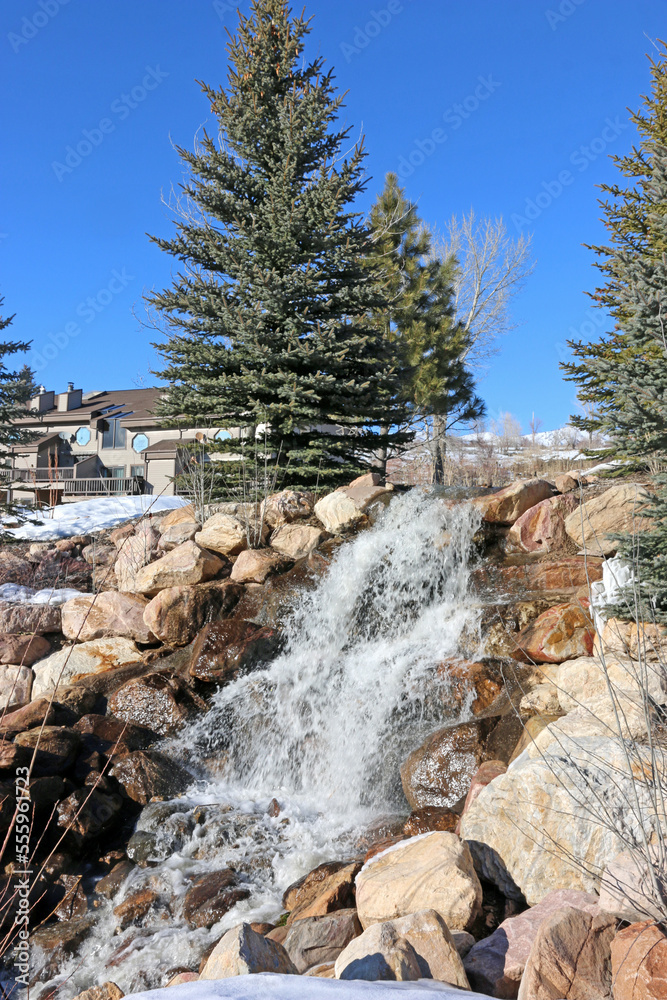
(73, 251)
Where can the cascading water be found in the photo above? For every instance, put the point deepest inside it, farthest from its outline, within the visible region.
(322, 729)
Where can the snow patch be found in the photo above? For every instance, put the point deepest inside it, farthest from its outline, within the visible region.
(396, 847)
(275, 986)
(12, 593)
(617, 574)
(88, 516)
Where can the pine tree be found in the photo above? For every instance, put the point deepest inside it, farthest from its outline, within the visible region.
(265, 321)
(628, 211)
(16, 389)
(417, 321)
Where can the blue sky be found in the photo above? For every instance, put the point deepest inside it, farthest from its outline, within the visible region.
(116, 78)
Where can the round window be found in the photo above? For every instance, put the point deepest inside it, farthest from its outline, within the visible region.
(139, 442)
(222, 436)
(83, 436)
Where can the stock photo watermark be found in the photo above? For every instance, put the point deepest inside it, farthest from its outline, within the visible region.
(581, 158)
(23, 873)
(454, 117)
(564, 10)
(121, 108)
(592, 326)
(32, 25)
(364, 34)
(87, 311)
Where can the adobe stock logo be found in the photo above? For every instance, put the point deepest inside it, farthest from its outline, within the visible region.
(31, 26)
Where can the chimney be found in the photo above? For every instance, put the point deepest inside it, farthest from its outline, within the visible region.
(70, 400)
(44, 401)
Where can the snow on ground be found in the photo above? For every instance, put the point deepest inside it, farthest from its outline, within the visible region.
(14, 594)
(86, 516)
(272, 986)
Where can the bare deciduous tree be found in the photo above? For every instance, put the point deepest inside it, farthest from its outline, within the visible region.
(492, 268)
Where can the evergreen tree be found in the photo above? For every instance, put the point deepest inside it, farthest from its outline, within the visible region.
(629, 215)
(417, 322)
(16, 390)
(266, 318)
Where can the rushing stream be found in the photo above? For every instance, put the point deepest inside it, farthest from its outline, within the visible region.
(323, 729)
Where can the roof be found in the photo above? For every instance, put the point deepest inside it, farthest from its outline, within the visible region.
(166, 448)
(134, 407)
(36, 445)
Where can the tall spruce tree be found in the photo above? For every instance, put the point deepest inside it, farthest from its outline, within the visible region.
(16, 389)
(629, 214)
(266, 319)
(417, 321)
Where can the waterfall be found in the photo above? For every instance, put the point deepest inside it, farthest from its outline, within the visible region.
(323, 729)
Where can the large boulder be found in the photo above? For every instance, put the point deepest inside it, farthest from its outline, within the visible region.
(111, 737)
(159, 701)
(296, 541)
(618, 509)
(224, 649)
(230, 534)
(103, 616)
(177, 534)
(89, 812)
(496, 964)
(346, 508)
(256, 565)
(184, 566)
(564, 798)
(134, 552)
(564, 632)
(507, 505)
(639, 962)
(212, 895)
(179, 515)
(428, 935)
(286, 507)
(439, 772)
(23, 649)
(629, 640)
(629, 887)
(327, 888)
(31, 619)
(316, 940)
(542, 527)
(242, 951)
(61, 667)
(431, 872)
(147, 775)
(571, 957)
(487, 772)
(177, 614)
(16, 685)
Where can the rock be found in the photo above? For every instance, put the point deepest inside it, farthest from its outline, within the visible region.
(322, 891)
(58, 747)
(542, 527)
(57, 942)
(428, 935)
(135, 907)
(183, 977)
(564, 632)
(210, 896)
(61, 667)
(100, 556)
(184, 566)
(109, 885)
(319, 940)
(161, 702)
(179, 515)
(542, 700)
(463, 942)
(526, 825)
(532, 727)
(345, 509)
(296, 541)
(627, 888)
(430, 818)
(176, 615)
(626, 640)
(571, 957)
(107, 991)
(118, 535)
(507, 505)
(147, 775)
(134, 553)
(438, 773)
(286, 507)
(16, 685)
(387, 956)
(230, 535)
(177, 534)
(434, 871)
(87, 813)
(255, 565)
(616, 510)
(241, 952)
(225, 649)
(23, 649)
(639, 962)
(15, 569)
(569, 481)
(368, 479)
(496, 964)
(106, 615)
(30, 619)
(33, 714)
(112, 737)
(485, 774)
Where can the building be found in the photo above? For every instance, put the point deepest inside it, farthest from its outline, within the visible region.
(94, 444)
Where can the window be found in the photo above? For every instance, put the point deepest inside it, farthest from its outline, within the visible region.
(113, 435)
(116, 472)
(137, 470)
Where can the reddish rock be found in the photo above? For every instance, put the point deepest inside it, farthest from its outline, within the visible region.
(160, 701)
(177, 614)
(210, 896)
(561, 575)
(23, 649)
(489, 770)
(147, 776)
(430, 818)
(639, 962)
(507, 505)
(224, 649)
(286, 507)
(382, 845)
(58, 747)
(439, 772)
(482, 678)
(327, 888)
(107, 735)
(368, 479)
(111, 883)
(34, 714)
(31, 619)
(570, 957)
(564, 632)
(542, 527)
(15, 569)
(135, 907)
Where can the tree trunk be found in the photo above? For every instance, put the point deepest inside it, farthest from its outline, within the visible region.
(439, 451)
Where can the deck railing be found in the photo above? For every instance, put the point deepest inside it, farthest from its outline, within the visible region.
(64, 482)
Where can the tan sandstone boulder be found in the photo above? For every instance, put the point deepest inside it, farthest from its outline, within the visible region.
(182, 567)
(134, 552)
(345, 509)
(103, 616)
(257, 565)
(618, 509)
(88, 657)
(507, 505)
(241, 952)
(627, 639)
(296, 541)
(431, 872)
(286, 507)
(16, 683)
(177, 614)
(230, 534)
